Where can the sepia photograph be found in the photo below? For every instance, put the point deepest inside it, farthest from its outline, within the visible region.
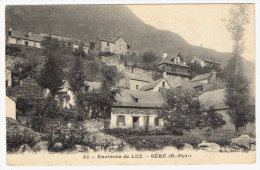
(100, 84)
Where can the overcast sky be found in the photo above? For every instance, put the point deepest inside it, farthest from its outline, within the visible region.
(198, 24)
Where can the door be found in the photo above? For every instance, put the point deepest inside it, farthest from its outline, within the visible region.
(136, 123)
(146, 123)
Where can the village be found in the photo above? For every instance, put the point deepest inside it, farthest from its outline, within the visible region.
(135, 95)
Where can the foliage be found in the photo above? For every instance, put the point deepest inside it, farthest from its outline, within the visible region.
(237, 91)
(51, 76)
(14, 50)
(149, 57)
(182, 112)
(157, 75)
(16, 137)
(77, 76)
(214, 120)
(23, 105)
(23, 70)
(68, 136)
(196, 69)
(105, 54)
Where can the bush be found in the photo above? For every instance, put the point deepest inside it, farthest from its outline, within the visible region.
(67, 114)
(16, 138)
(14, 50)
(69, 137)
(105, 54)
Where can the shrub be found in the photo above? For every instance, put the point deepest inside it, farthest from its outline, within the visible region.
(69, 137)
(67, 114)
(14, 50)
(105, 54)
(15, 138)
(222, 141)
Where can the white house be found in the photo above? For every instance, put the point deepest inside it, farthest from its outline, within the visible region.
(137, 110)
(10, 107)
(156, 85)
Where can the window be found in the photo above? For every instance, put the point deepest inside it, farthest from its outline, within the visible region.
(26, 43)
(107, 44)
(156, 121)
(136, 87)
(120, 120)
(163, 84)
(136, 99)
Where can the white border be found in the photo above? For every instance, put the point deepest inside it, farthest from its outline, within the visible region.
(38, 2)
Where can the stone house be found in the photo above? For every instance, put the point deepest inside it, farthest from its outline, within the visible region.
(24, 38)
(137, 110)
(205, 62)
(28, 88)
(156, 85)
(10, 107)
(216, 98)
(207, 78)
(113, 45)
(174, 67)
(134, 81)
(34, 40)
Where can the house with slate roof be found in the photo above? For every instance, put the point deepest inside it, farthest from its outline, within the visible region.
(114, 45)
(205, 62)
(174, 67)
(216, 98)
(156, 85)
(137, 110)
(134, 81)
(207, 78)
(34, 40)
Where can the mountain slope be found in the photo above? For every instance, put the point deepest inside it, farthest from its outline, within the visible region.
(85, 22)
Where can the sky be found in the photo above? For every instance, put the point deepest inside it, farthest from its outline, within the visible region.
(199, 24)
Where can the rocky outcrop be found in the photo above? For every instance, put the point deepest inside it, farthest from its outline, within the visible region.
(243, 141)
(211, 147)
(57, 147)
(187, 147)
(41, 146)
(24, 148)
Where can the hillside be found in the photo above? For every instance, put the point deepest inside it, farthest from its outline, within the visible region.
(85, 22)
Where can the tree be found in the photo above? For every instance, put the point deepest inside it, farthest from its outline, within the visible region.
(77, 76)
(237, 86)
(182, 112)
(51, 75)
(214, 120)
(149, 57)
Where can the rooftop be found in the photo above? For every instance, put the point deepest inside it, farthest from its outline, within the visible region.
(201, 77)
(145, 99)
(138, 77)
(168, 60)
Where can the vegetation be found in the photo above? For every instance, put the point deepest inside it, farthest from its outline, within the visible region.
(149, 57)
(51, 76)
(214, 119)
(196, 69)
(182, 112)
(237, 91)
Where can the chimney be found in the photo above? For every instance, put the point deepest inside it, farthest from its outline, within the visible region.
(10, 31)
(164, 75)
(164, 55)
